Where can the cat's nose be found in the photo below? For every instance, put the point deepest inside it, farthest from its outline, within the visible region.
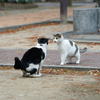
(55, 41)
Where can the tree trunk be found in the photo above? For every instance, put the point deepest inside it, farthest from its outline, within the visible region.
(99, 3)
(63, 11)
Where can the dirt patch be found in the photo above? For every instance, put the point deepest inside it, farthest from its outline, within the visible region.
(48, 87)
(23, 38)
(26, 37)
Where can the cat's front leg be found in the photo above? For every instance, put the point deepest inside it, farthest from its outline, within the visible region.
(38, 74)
(39, 69)
(63, 58)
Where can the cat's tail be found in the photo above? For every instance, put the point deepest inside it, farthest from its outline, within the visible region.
(83, 50)
(17, 63)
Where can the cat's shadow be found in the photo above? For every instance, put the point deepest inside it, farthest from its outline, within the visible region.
(72, 63)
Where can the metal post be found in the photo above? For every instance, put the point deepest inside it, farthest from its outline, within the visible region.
(63, 11)
(99, 3)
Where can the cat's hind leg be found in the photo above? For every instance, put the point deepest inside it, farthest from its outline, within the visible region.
(78, 58)
(24, 74)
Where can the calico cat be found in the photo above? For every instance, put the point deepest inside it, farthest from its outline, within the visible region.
(32, 60)
(68, 49)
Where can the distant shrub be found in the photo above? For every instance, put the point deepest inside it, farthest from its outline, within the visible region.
(16, 1)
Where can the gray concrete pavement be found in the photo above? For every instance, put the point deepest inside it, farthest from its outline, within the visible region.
(89, 60)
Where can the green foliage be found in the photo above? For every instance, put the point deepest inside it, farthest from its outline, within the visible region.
(20, 1)
(96, 0)
(2, 0)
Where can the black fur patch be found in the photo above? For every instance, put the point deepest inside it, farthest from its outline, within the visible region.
(42, 40)
(76, 49)
(71, 43)
(17, 63)
(33, 55)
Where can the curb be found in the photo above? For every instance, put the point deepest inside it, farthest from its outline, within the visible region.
(78, 40)
(57, 20)
(84, 41)
(76, 68)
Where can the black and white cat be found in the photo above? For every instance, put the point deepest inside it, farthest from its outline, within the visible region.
(32, 60)
(67, 48)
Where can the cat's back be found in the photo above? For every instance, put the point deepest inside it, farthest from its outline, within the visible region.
(63, 45)
(33, 55)
(66, 45)
(34, 50)
(69, 43)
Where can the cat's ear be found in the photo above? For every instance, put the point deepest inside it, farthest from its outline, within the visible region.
(54, 34)
(60, 34)
(38, 39)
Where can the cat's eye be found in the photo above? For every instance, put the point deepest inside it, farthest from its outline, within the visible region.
(57, 38)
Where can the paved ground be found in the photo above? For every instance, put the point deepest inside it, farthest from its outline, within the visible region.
(88, 59)
(86, 37)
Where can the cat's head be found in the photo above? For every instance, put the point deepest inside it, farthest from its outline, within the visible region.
(43, 41)
(57, 37)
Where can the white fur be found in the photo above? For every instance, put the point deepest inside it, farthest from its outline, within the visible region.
(43, 47)
(66, 50)
(39, 74)
(31, 66)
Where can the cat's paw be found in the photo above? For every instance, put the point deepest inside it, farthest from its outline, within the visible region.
(61, 63)
(77, 62)
(26, 75)
(37, 75)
